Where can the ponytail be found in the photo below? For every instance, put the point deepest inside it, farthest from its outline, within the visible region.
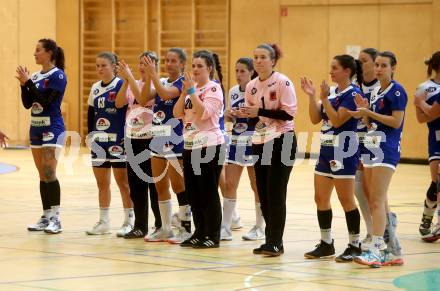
(218, 69)
(274, 50)
(112, 57)
(433, 63)
(359, 73)
(57, 52)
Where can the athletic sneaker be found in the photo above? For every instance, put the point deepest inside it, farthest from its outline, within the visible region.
(434, 235)
(54, 226)
(348, 255)
(389, 259)
(370, 258)
(101, 227)
(206, 243)
(236, 224)
(135, 233)
(366, 243)
(181, 236)
(188, 243)
(259, 250)
(41, 224)
(125, 228)
(255, 233)
(225, 234)
(322, 250)
(159, 235)
(175, 220)
(272, 250)
(425, 226)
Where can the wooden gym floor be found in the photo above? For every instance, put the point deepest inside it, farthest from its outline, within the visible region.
(75, 261)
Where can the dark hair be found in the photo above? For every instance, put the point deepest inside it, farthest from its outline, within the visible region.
(371, 51)
(212, 61)
(390, 56)
(57, 52)
(113, 58)
(180, 52)
(433, 63)
(348, 62)
(249, 63)
(152, 55)
(274, 51)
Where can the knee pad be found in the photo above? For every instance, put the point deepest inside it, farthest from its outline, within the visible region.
(431, 194)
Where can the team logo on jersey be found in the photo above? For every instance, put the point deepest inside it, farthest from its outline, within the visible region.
(61, 76)
(353, 93)
(115, 150)
(287, 83)
(102, 124)
(213, 89)
(431, 89)
(45, 83)
(111, 110)
(253, 91)
(112, 96)
(335, 165)
(47, 136)
(96, 91)
(35, 77)
(273, 95)
(240, 127)
(37, 108)
(397, 93)
(190, 127)
(136, 122)
(159, 116)
(234, 96)
(372, 126)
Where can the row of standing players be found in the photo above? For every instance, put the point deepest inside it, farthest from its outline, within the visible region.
(179, 118)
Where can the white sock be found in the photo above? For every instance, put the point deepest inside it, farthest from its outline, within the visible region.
(259, 219)
(326, 235)
(354, 239)
(378, 243)
(165, 208)
(55, 211)
(47, 213)
(129, 216)
(235, 215)
(104, 214)
(228, 211)
(185, 213)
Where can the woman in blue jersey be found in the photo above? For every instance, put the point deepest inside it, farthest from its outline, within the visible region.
(167, 146)
(43, 91)
(427, 102)
(106, 136)
(385, 115)
(338, 156)
(240, 155)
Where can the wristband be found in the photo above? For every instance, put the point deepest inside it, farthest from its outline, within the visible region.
(190, 91)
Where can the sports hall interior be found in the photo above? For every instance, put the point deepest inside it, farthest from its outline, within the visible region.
(310, 33)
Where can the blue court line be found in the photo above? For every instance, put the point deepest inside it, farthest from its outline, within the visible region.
(7, 168)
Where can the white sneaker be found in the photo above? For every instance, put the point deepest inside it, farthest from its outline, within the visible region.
(159, 235)
(175, 220)
(255, 233)
(182, 235)
(41, 224)
(101, 227)
(366, 243)
(125, 228)
(236, 224)
(225, 234)
(54, 226)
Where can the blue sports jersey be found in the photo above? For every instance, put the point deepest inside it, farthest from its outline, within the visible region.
(47, 122)
(432, 90)
(109, 121)
(167, 131)
(383, 137)
(240, 147)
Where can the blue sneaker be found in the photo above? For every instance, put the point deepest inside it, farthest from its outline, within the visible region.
(369, 258)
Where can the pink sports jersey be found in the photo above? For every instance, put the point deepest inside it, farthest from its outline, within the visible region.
(204, 131)
(275, 93)
(139, 118)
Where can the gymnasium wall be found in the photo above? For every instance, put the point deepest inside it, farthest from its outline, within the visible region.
(310, 32)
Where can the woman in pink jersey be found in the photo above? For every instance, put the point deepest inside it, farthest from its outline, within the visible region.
(137, 140)
(200, 106)
(271, 102)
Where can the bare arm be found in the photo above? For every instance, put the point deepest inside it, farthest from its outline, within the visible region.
(314, 106)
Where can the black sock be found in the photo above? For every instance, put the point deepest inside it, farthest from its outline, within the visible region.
(182, 198)
(353, 219)
(186, 225)
(325, 218)
(44, 195)
(53, 191)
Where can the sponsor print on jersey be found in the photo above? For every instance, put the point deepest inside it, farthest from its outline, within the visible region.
(136, 122)
(40, 121)
(37, 108)
(104, 137)
(372, 127)
(326, 125)
(240, 127)
(115, 150)
(189, 126)
(112, 96)
(102, 124)
(111, 110)
(159, 116)
(47, 136)
(336, 165)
